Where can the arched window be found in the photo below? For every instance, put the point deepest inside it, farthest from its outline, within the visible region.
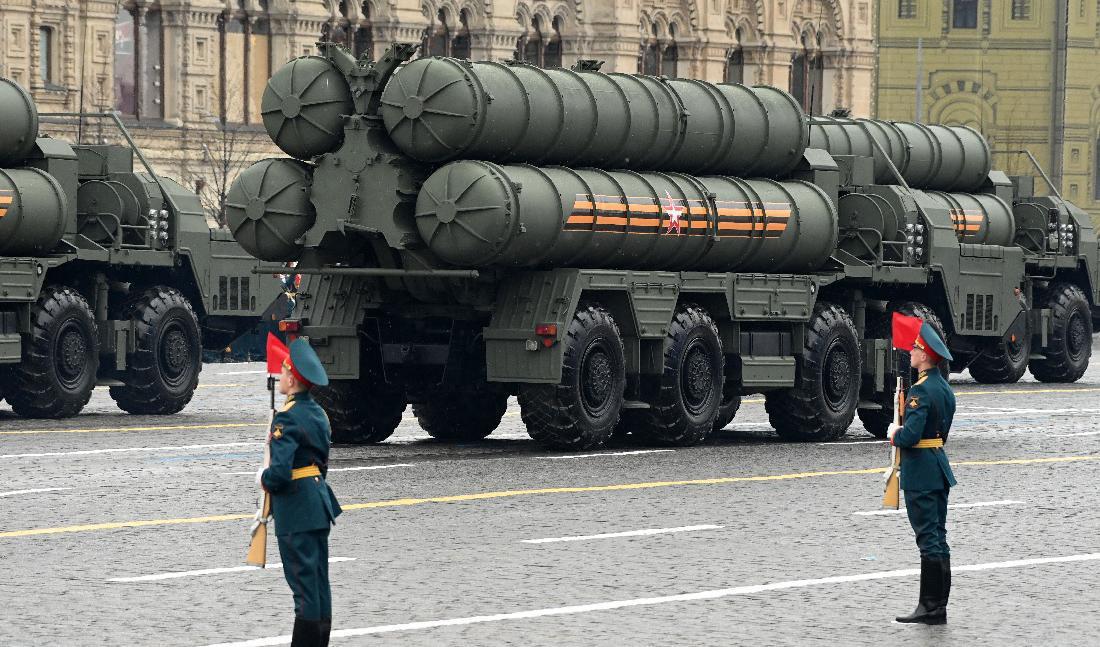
(125, 64)
(670, 55)
(735, 65)
(532, 48)
(650, 62)
(552, 54)
(460, 46)
(437, 37)
(364, 35)
(807, 76)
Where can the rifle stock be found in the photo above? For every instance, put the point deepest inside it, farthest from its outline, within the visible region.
(257, 546)
(891, 497)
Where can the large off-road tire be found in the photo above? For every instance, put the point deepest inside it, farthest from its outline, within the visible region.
(1067, 355)
(581, 411)
(1004, 362)
(731, 402)
(462, 415)
(877, 421)
(690, 389)
(823, 401)
(60, 360)
(163, 371)
(359, 412)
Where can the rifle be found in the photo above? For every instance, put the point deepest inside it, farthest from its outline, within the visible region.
(891, 498)
(257, 547)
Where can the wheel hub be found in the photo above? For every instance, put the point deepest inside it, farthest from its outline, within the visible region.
(1076, 335)
(696, 379)
(836, 375)
(175, 355)
(596, 379)
(72, 353)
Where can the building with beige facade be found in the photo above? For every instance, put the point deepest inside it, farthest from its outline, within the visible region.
(187, 75)
(1023, 72)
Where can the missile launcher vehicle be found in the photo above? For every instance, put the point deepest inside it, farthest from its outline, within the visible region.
(109, 275)
(631, 255)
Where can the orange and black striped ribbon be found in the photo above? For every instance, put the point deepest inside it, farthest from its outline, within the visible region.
(967, 222)
(600, 213)
(6, 198)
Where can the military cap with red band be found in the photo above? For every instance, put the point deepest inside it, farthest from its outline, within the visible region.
(913, 332)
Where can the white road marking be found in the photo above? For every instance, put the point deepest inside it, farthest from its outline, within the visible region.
(210, 571)
(43, 489)
(241, 373)
(1080, 433)
(856, 442)
(88, 452)
(629, 533)
(1032, 410)
(598, 454)
(666, 599)
(980, 504)
(340, 469)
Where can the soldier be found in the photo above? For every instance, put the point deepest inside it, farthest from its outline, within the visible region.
(302, 504)
(926, 475)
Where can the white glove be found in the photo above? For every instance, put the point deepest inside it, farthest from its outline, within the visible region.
(259, 477)
(891, 430)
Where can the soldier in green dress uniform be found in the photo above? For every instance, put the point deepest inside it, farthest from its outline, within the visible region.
(926, 475)
(302, 504)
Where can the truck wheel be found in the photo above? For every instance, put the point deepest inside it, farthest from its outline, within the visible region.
(731, 402)
(1067, 356)
(360, 413)
(164, 368)
(823, 402)
(582, 410)
(877, 421)
(60, 360)
(1005, 362)
(461, 416)
(690, 391)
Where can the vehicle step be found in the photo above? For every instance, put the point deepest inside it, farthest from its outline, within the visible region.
(1036, 356)
(867, 404)
(635, 404)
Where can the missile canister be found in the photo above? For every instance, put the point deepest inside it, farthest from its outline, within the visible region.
(20, 123)
(303, 107)
(32, 211)
(441, 109)
(477, 214)
(979, 218)
(268, 208)
(929, 157)
(854, 137)
(945, 158)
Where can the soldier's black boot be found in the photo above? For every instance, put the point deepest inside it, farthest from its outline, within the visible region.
(307, 633)
(929, 609)
(325, 630)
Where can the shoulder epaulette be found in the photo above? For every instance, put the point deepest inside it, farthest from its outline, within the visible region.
(288, 406)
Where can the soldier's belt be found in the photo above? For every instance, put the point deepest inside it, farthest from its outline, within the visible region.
(313, 470)
(924, 443)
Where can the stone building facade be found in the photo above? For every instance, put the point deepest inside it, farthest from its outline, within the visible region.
(187, 75)
(1024, 72)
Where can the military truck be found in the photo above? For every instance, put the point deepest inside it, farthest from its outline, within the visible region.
(109, 275)
(631, 254)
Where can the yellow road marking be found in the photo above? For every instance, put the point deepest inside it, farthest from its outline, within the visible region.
(22, 432)
(480, 496)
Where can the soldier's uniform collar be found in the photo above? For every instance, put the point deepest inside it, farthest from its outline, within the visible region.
(301, 395)
(928, 371)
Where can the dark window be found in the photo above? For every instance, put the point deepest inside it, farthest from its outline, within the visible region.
(460, 46)
(364, 35)
(1021, 9)
(907, 8)
(125, 64)
(532, 50)
(437, 37)
(650, 58)
(807, 78)
(45, 54)
(965, 14)
(552, 55)
(735, 62)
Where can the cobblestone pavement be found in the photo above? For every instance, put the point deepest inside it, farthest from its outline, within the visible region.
(784, 560)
